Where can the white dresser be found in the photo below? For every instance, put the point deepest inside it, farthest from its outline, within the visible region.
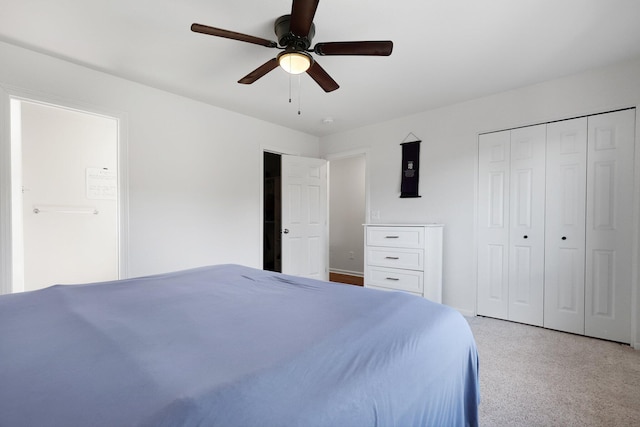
(405, 257)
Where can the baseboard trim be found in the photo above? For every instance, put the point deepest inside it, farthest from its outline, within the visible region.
(465, 313)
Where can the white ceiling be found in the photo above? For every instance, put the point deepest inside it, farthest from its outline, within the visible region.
(445, 51)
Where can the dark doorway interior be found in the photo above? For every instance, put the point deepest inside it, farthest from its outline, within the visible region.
(272, 242)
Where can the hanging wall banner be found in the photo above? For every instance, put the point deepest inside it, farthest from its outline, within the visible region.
(410, 169)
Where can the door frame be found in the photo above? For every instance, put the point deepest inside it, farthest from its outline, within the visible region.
(6, 263)
(9, 93)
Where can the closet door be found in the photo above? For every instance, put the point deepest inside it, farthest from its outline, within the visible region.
(609, 225)
(526, 240)
(494, 154)
(565, 225)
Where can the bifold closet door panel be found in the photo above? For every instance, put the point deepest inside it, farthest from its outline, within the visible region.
(565, 225)
(526, 217)
(609, 225)
(494, 153)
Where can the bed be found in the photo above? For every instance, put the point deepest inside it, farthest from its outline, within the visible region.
(229, 345)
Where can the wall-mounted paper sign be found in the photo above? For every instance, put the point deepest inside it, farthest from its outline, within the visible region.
(102, 184)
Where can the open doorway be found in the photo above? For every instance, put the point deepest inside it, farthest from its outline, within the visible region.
(347, 213)
(295, 223)
(64, 179)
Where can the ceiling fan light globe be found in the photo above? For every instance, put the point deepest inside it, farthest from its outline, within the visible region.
(294, 62)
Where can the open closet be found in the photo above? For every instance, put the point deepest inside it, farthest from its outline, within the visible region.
(555, 212)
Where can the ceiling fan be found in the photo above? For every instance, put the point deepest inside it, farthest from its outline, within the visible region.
(295, 33)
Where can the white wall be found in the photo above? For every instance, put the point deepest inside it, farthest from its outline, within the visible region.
(449, 158)
(195, 171)
(347, 214)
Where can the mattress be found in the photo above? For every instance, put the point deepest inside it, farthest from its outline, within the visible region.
(229, 345)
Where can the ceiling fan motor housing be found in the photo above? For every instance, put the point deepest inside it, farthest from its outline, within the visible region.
(287, 39)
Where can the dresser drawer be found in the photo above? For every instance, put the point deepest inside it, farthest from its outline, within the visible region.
(412, 259)
(391, 278)
(395, 237)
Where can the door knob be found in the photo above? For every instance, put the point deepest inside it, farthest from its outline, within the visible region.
(525, 236)
(564, 237)
(285, 231)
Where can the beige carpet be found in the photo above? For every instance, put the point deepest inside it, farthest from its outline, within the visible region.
(532, 376)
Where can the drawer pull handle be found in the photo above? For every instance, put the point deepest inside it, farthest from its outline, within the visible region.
(395, 279)
(392, 257)
(392, 237)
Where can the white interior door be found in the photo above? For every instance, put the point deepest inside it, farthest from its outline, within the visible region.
(565, 225)
(304, 217)
(526, 240)
(493, 224)
(609, 225)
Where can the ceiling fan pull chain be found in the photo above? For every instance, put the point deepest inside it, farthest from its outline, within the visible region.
(290, 77)
(299, 92)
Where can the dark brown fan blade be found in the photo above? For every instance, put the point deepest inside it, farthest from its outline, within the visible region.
(302, 13)
(219, 32)
(259, 72)
(321, 77)
(375, 48)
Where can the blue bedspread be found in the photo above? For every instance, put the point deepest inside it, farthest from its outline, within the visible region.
(233, 346)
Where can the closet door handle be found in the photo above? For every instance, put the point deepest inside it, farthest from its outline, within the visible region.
(285, 231)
